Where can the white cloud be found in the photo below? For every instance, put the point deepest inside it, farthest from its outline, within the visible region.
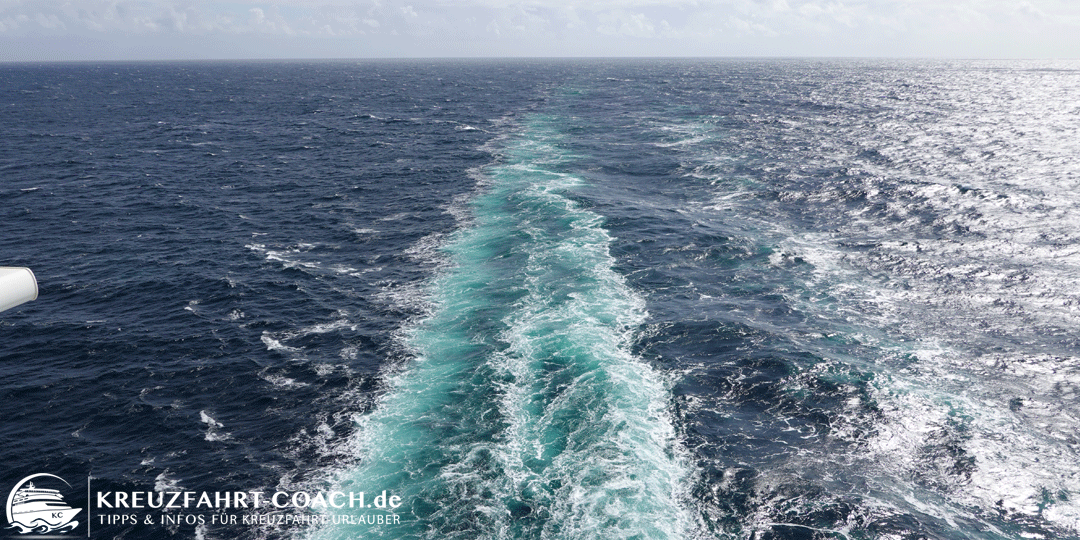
(833, 11)
(179, 20)
(50, 22)
(572, 18)
(1027, 8)
(272, 23)
(627, 24)
(11, 24)
(744, 27)
(587, 27)
(811, 10)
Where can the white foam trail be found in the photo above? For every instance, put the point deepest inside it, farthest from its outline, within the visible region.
(561, 423)
(625, 457)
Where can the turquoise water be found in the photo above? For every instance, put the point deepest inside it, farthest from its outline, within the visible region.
(524, 414)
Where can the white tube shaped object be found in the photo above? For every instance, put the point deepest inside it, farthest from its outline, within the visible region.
(17, 285)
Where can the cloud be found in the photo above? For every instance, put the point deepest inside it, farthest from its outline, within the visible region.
(49, 22)
(627, 24)
(571, 16)
(1027, 8)
(585, 27)
(273, 23)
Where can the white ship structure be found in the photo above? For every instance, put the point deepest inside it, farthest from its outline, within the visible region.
(17, 285)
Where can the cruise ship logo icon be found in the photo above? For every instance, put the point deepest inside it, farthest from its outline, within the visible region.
(32, 509)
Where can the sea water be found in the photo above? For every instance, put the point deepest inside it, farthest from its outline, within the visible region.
(552, 299)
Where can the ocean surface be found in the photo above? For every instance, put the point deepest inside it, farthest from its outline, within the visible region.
(553, 299)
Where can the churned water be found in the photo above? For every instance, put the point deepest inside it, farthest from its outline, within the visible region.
(768, 299)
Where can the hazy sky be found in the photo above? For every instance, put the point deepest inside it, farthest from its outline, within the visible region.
(204, 29)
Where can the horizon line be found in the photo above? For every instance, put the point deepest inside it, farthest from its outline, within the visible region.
(525, 58)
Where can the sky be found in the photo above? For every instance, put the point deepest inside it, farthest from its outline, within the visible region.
(78, 30)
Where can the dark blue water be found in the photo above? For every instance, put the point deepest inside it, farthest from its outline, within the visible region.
(554, 299)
